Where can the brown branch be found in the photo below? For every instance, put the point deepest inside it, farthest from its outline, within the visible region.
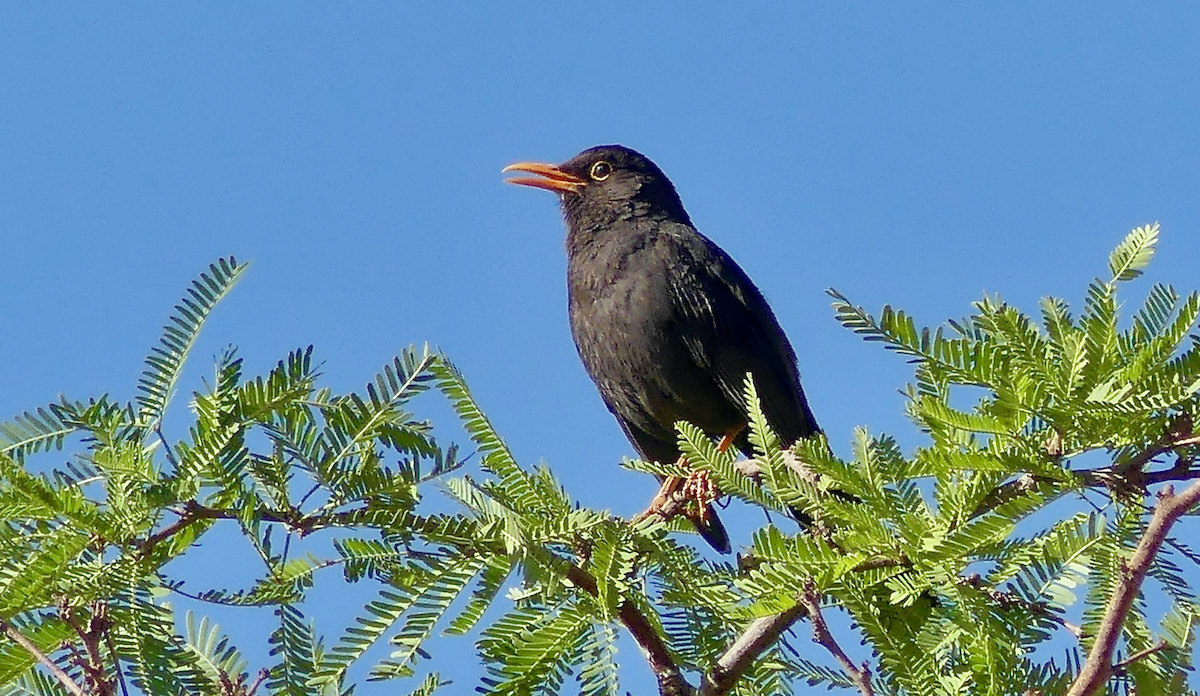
(764, 632)
(1178, 434)
(1129, 471)
(670, 679)
(97, 680)
(262, 676)
(1099, 667)
(859, 674)
(63, 678)
(237, 687)
(1012, 490)
(758, 636)
(1009, 600)
(193, 512)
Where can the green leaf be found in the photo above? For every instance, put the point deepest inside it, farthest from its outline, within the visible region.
(32, 432)
(165, 362)
(1133, 253)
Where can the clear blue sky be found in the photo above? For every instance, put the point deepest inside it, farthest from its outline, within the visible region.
(916, 155)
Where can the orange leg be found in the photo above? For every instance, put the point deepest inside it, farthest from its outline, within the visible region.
(730, 436)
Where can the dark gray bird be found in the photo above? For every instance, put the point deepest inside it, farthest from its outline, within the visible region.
(667, 324)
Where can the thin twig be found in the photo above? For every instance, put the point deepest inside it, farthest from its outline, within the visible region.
(760, 635)
(62, 677)
(1100, 476)
(99, 624)
(1178, 434)
(1140, 655)
(860, 675)
(262, 676)
(166, 446)
(1099, 667)
(1009, 600)
(193, 512)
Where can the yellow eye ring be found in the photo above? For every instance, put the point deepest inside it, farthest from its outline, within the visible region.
(601, 170)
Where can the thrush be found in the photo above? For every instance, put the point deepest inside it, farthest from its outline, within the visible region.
(666, 323)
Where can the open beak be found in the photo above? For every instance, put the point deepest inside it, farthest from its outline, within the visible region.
(551, 177)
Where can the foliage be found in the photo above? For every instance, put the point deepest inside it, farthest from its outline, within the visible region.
(980, 563)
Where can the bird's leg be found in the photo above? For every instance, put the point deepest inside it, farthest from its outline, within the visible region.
(730, 436)
(664, 502)
(698, 486)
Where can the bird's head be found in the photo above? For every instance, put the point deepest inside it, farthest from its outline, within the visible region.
(604, 184)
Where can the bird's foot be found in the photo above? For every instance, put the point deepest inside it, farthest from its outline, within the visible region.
(676, 492)
(666, 501)
(700, 487)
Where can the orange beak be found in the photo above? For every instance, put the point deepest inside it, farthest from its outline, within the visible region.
(552, 178)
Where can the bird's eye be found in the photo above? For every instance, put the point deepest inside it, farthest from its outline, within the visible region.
(601, 170)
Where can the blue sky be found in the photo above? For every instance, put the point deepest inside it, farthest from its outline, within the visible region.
(915, 154)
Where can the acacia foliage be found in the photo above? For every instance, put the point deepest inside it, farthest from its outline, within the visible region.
(979, 563)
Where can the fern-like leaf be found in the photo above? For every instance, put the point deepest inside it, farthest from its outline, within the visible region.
(1133, 253)
(165, 362)
(33, 431)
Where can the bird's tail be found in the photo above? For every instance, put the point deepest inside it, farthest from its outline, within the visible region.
(709, 526)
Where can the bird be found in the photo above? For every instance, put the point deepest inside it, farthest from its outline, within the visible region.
(666, 323)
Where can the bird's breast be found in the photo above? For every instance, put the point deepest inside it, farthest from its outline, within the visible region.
(632, 338)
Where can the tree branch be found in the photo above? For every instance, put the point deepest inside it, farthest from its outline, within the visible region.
(1009, 600)
(262, 677)
(62, 677)
(670, 679)
(758, 636)
(1129, 471)
(1099, 667)
(1178, 434)
(192, 512)
(96, 678)
(861, 675)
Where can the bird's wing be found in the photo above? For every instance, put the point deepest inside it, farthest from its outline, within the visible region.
(732, 331)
